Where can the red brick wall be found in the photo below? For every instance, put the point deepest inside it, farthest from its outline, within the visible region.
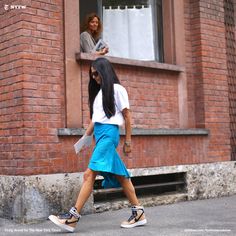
(191, 47)
(230, 22)
(32, 102)
(11, 92)
(215, 82)
(32, 87)
(153, 96)
(207, 73)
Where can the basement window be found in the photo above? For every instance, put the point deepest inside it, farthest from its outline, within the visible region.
(145, 186)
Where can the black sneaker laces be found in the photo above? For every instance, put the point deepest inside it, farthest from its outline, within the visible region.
(134, 214)
(65, 216)
(68, 215)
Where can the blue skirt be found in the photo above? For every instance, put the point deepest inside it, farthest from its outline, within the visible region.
(105, 158)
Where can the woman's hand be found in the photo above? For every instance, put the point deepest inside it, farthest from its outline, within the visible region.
(103, 51)
(127, 147)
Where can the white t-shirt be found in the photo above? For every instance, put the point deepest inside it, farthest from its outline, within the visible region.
(121, 102)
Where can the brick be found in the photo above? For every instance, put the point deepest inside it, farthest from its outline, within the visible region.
(32, 94)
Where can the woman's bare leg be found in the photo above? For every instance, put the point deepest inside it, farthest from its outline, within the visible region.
(138, 217)
(128, 189)
(69, 223)
(86, 189)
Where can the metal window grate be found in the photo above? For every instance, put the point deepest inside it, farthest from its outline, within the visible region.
(231, 67)
(151, 185)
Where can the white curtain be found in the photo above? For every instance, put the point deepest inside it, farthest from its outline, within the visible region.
(129, 32)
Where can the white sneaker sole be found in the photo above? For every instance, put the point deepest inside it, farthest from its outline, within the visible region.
(139, 223)
(54, 219)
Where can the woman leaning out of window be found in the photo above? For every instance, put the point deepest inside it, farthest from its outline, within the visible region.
(90, 35)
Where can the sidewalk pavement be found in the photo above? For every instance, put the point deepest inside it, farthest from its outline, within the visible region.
(192, 218)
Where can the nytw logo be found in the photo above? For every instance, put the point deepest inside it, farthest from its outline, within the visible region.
(14, 7)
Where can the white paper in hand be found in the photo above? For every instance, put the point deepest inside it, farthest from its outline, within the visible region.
(85, 141)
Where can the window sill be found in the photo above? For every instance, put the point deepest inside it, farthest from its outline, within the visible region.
(131, 62)
(141, 132)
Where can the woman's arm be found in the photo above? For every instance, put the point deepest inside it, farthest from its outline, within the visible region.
(89, 130)
(86, 43)
(127, 117)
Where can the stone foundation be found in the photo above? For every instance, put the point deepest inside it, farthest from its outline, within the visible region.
(27, 199)
(33, 198)
(203, 181)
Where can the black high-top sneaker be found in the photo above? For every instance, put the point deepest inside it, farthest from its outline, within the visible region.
(66, 221)
(136, 219)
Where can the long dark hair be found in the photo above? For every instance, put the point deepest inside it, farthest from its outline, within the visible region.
(108, 79)
(85, 26)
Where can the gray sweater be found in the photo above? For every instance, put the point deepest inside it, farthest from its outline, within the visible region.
(87, 42)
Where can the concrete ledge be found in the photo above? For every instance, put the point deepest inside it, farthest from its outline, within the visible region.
(141, 132)
(70, 131)
(130, 62)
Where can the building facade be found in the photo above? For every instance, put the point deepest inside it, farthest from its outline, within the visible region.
(183, 106)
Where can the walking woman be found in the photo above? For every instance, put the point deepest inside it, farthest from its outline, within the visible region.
(109, 109)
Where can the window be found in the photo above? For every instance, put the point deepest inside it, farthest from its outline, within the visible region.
(132, 28)
(173, 43)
